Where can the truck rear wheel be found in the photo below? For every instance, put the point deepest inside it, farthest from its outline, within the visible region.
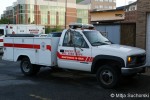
(108, 76)
(27, 68)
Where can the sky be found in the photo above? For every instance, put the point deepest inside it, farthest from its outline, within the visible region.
(6, 3)
(123, 2)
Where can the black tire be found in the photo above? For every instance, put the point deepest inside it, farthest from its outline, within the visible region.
(108, 76)
(27, 68)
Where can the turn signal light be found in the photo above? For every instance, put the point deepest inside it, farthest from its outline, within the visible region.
(129, 59)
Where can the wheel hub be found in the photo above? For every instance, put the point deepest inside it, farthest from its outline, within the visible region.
(106, 77)
(26, 67)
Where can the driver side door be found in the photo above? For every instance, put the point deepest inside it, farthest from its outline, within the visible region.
(74, 52)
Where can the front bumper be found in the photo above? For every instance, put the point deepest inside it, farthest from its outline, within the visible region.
(129, 71)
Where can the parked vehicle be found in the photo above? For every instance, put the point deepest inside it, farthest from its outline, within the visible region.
(54, 34)
(80, 47)
(19, 29)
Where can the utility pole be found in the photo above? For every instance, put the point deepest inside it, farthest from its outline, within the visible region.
(65, 14)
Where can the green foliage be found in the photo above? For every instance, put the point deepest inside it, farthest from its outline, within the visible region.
(4, 21)
(47, 30)
(56, 29)
(79, 1)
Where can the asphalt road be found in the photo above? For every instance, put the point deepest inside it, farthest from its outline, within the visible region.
(66, 85)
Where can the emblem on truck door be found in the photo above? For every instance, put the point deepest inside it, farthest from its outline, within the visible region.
(43, 46)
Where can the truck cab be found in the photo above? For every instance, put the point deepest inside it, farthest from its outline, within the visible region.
(80, 47)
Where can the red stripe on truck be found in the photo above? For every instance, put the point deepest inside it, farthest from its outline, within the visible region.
(29, 46)
(8, 45)
(76, 58)
(26, 46)
(48, 47)
(1, 40)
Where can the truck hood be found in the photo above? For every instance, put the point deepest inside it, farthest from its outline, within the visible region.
(128, 50)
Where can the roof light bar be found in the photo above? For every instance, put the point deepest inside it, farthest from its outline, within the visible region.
(81, 26)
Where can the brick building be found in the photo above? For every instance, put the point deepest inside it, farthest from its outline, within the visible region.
(131, 13)
(103, 4)
(143, 8)
(107, 16)
(47, 12)
(100, 4)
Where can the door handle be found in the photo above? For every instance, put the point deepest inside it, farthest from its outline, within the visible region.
(61, 50)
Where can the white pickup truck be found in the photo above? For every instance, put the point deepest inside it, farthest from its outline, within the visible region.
(80, 47)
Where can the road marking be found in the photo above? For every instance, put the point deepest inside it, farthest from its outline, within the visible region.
(38, 97)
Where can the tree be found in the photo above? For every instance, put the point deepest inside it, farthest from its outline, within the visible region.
(4, 21)
(48, 30)
(56, 29)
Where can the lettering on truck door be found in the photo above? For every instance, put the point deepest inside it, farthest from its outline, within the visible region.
(74, 52)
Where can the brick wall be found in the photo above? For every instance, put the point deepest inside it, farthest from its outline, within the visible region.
(143, 7)
(130, 17)
(71, 15)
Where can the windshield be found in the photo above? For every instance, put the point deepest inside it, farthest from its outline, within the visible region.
(96, 38)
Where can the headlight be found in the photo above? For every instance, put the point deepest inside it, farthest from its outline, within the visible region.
(136, 60)
(131, 60)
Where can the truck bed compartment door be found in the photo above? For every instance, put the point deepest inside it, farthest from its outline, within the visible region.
(44, 53)
(8, 49)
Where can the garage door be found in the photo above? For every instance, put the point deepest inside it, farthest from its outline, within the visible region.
(112, 32)
(148, 39)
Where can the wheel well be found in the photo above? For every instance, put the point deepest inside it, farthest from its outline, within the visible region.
(102, 62)
(21, 57)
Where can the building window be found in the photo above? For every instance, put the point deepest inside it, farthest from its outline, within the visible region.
(22, 6)
(110, 0)
(53, 18)
(114, 7)
(61, 19)
(44, 19)
(82, 16)
(31, 18)
(101, 7)
(110, 7)
(22, 19)
(106, 0)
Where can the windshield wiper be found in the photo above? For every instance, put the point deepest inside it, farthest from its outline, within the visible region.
(108, 42)
(98, 42)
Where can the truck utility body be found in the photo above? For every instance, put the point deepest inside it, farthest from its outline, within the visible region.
(6, 29)
(39, 49)
(78, 48)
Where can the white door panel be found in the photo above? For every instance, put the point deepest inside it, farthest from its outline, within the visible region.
(84, 54)
(148, 40)
(66, 57)
(75, 53)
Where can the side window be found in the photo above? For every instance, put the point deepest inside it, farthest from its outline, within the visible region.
(1, 32)
(67, 39)
(73, 38)
(79, 41)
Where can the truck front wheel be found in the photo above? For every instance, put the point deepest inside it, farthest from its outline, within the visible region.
(27, 68)
(108, 76)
